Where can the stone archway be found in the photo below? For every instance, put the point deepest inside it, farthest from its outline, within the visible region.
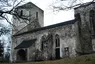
(21, 55)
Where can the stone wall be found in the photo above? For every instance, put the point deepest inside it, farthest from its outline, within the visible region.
(84, 45)
(67, 36)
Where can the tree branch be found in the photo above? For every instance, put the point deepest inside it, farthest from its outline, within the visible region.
(68, 4)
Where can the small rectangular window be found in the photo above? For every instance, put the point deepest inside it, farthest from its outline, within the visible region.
(21, 13)
(36, 15)
(42, 46)
(66, 51)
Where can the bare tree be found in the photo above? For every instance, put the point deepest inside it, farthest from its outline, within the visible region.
(8, 7)
(67, 4)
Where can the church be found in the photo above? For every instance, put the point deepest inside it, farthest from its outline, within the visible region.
(32, 41)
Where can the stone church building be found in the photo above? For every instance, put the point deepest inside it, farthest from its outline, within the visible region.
(32, 41)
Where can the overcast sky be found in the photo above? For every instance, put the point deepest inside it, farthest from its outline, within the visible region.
(49, 16)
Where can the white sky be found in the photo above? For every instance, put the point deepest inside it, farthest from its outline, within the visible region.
(49, 16)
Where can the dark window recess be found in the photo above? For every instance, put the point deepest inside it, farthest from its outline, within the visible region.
(21, 13)
(66, 50)
(1, 50)
(57, 40)
(92, 21)
(78, 18)
(57, 43)
(42, 45)
(36, 15)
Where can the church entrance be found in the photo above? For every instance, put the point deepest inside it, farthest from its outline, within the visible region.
(21, 55)
(57, 51)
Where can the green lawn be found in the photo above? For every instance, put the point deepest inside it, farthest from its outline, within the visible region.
(86, 59)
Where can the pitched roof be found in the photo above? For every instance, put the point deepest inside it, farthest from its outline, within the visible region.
(26, 44)
(28, 5)
(48, 27)
(32, 25)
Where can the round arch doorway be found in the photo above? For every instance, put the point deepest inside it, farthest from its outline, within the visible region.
(21, 55)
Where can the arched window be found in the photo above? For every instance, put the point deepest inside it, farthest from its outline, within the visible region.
(92, 21)
(57, 46)
(57, 40)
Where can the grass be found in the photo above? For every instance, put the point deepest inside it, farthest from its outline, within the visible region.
(85, 59)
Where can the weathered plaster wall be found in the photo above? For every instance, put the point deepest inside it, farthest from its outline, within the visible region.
(67, 39)
(31, 53)
(84, 45)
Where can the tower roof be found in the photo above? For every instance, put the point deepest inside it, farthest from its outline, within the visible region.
(28, 5)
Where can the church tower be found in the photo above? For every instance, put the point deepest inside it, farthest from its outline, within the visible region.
(85, 15)
(32, 17)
